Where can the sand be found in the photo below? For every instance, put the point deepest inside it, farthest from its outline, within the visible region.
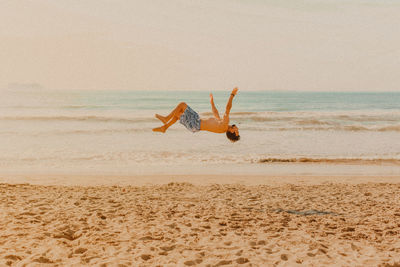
(296, 222)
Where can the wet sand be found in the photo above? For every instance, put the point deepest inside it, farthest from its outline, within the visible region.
(285, 222)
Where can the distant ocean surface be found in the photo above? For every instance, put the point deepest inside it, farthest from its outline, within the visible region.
(105, 131)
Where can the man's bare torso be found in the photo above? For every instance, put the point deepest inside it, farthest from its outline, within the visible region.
(214, 125)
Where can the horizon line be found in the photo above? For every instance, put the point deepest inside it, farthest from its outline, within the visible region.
(196, 90)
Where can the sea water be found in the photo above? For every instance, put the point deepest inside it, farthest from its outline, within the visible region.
(110, 131)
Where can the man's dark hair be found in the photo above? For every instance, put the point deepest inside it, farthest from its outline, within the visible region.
(232, 136)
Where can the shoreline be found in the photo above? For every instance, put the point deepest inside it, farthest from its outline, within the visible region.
(195, 179)
(199, 173)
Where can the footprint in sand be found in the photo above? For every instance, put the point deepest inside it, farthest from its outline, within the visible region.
(146, 257)
(12, 258)
(167, 248)
(242, 260)
(284, 257)
(223, 262)
(261, 243)
(80, 250)
(42, 260)
(193, 262)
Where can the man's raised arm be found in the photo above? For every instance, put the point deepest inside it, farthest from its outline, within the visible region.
(229, 104)
(214, 109)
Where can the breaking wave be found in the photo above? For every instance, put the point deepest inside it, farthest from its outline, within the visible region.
(257, 121)
(332, 161)
(78, 118)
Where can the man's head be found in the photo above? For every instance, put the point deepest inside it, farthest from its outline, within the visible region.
(233, 133)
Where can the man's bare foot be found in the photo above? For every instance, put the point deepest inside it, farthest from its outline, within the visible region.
(161, 118)
(159, 129)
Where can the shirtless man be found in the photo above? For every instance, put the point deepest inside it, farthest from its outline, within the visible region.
(191, 120)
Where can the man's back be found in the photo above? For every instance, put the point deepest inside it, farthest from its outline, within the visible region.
(214, 125)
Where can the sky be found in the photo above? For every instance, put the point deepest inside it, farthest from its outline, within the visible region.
(304, 45)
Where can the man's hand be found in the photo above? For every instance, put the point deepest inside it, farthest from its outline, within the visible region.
(234, 91)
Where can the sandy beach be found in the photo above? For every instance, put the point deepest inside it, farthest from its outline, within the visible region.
(275, 221)
(199, 133)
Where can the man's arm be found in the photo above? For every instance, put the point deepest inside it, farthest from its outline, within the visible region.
(214, 109)
(229, 104)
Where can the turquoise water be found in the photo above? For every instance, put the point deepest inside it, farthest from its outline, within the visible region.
(246, 101)
(108, 130)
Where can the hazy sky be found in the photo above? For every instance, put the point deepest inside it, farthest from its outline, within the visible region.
(319, 45)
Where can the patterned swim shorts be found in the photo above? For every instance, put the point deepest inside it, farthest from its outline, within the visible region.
(191, 120)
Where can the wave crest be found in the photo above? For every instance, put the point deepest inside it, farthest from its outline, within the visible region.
(332, 161)
(76, 118)
(257, 121)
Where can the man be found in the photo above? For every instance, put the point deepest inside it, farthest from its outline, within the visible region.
(191, 120)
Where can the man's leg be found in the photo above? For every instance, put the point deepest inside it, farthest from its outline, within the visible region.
(180, 108)
(172, 117)
(165, 126)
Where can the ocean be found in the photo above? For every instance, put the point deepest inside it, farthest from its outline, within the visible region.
(103, 132)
